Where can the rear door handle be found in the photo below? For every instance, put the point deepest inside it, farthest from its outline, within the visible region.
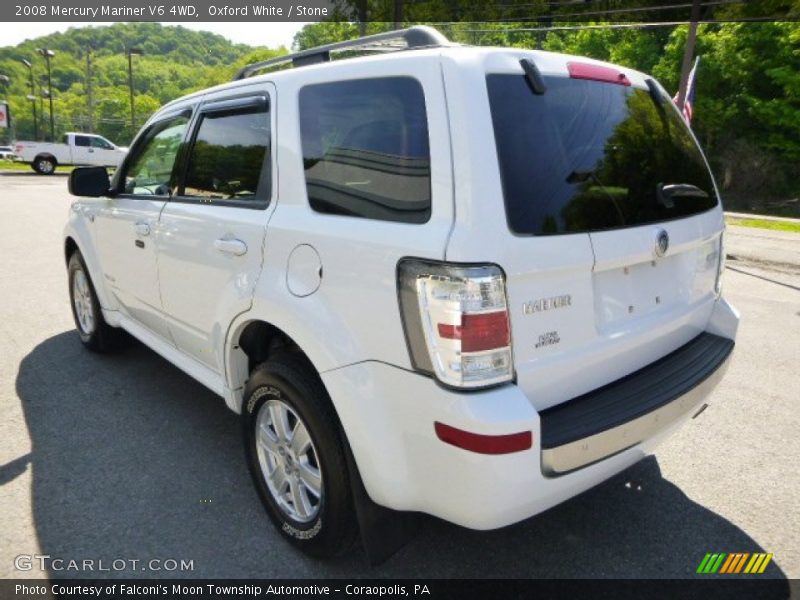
(228, 246)
(142, 229)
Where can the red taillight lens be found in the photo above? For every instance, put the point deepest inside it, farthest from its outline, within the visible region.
(484, 444)
(479, 332)
(597, 73)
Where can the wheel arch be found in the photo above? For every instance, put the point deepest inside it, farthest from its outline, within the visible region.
(71, 246)
(251, 341)
(46, 155)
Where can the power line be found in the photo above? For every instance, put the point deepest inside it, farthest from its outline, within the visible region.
(596, 13)
(607, 26)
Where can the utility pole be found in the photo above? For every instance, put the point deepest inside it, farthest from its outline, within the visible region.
(32, 98)
(398, 14)
(131, 52)
(688, 52)
(89, 91)
(361, 10)
(42, 93)
(48, 54)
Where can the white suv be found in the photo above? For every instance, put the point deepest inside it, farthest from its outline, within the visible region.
(471, 282)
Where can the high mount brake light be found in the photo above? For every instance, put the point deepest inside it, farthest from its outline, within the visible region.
(579, 70)
(456, 322)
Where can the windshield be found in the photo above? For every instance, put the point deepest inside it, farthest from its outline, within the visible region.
(587, 156)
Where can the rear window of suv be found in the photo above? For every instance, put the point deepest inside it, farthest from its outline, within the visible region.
(589, 156)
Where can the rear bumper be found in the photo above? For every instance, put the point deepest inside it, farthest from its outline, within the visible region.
(388, 415)
(633, 409)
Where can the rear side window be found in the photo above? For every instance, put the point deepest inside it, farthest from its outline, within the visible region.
(100, 143)
(365, 149)
(81, 140)
(588, 156)
(227, 158)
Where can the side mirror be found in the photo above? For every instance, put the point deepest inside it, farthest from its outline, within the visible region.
(89, 181)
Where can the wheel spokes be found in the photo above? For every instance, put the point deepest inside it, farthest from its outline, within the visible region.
(299, 498)
(289, 461)
(311, 479)
(266, 440)
(280, 421)
(301, 441)
(278, 478)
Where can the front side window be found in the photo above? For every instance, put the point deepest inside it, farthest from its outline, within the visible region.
(365, 149)
(149, 170)
(228, 155)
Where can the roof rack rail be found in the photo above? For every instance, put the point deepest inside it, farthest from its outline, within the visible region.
(419, 36)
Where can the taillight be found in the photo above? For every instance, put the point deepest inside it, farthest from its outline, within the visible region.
(456, 322)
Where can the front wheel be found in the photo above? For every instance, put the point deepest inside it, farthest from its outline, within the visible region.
(296, 456)
(95, 333)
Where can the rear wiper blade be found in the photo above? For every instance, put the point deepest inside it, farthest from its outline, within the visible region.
(665, 193)
(533, 76)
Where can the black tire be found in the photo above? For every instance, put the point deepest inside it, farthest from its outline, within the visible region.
(45, 165)
(289, 379)
(101, 337)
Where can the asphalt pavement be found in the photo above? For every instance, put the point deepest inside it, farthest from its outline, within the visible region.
(125, 457)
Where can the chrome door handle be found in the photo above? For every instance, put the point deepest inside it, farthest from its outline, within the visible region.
(234, 246)
(142, 229)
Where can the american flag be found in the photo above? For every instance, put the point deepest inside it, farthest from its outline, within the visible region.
(688, 103)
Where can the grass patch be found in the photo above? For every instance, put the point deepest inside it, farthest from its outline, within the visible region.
(764, 224)
(10, 165)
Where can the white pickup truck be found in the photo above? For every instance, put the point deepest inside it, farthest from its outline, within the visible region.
(75, 149)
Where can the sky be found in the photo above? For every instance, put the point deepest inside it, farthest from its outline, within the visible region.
(271, 34)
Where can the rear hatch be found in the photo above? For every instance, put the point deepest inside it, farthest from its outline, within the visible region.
(616, 226)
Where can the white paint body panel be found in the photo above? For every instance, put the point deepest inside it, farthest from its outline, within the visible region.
(329, 282)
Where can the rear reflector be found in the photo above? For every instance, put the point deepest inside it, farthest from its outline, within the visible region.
(597, 73)
(484, 444)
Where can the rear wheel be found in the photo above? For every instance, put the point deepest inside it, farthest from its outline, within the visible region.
(296, 456)
(44, 165)
(95, 333)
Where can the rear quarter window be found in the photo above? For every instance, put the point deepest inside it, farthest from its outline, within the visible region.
(365, 149)
(590, 156)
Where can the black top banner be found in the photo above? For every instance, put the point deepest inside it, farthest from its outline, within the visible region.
(397, 11)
